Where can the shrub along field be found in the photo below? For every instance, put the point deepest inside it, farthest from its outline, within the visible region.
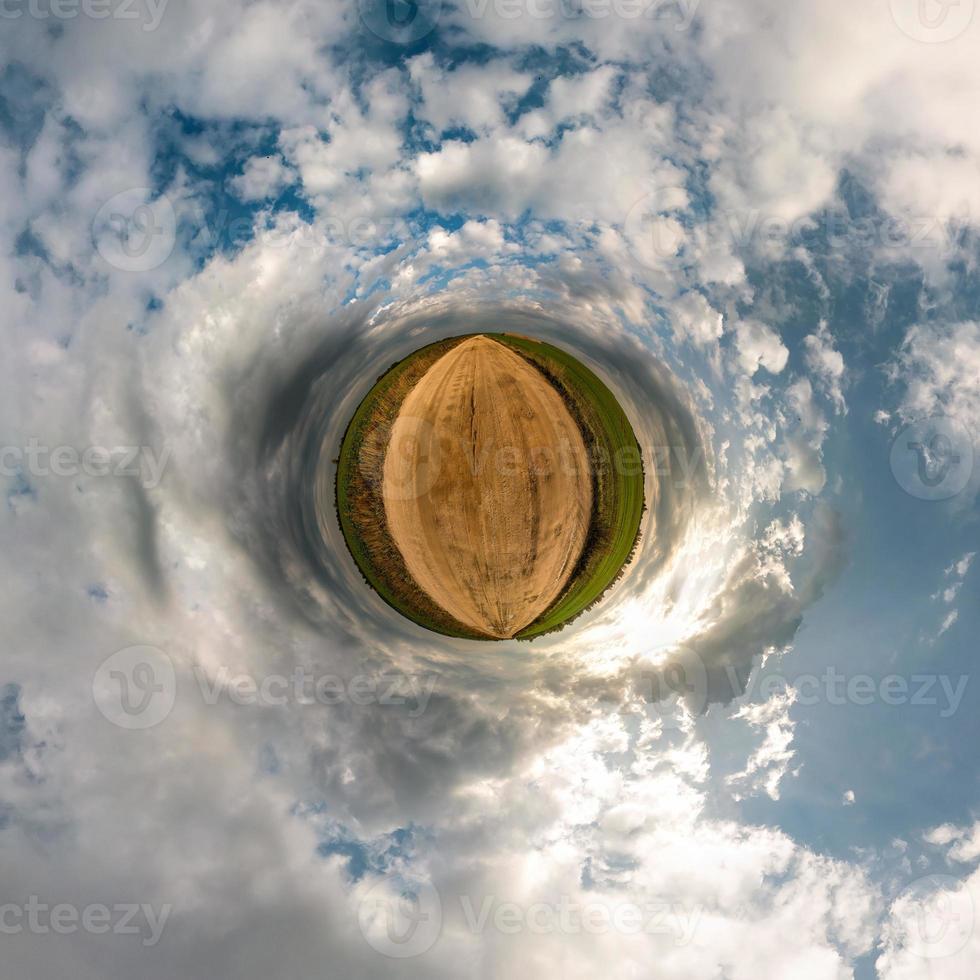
(360, 505)
(616, 474)
(617, 468)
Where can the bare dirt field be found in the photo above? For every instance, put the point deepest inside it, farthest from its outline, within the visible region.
(486, 487)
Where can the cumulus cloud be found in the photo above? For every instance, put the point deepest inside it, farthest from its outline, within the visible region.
(694, 319)
(758, 347)
(827, 365)
(767, 766)
(933, 918)
(262, 178)
(953, 583)
(572, 178)
(938, 367)
(803, 442)
(474, 96)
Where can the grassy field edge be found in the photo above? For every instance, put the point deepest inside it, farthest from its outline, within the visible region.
(358, 500)
(616, 468)
(618, 481)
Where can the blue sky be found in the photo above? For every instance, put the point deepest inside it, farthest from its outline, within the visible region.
(757, 222)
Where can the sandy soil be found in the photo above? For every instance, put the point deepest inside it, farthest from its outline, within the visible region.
(486, 487)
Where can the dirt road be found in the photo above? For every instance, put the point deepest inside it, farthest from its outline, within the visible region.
(486, 487)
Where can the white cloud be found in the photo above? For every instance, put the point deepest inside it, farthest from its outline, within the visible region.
(933, 920)
(767, 766)
(694, 319)
(759, 346)
(827, 365)
(520, 791)
(493, 176)
(594, 173)
(962, 843)
(948, 621)
(939, 369)
(961, 567)
(470, 95)
(955, 573)
(803, 442)
(262, 178)
(579, 97)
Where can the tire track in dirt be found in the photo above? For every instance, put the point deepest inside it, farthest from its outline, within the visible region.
(487, 492)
